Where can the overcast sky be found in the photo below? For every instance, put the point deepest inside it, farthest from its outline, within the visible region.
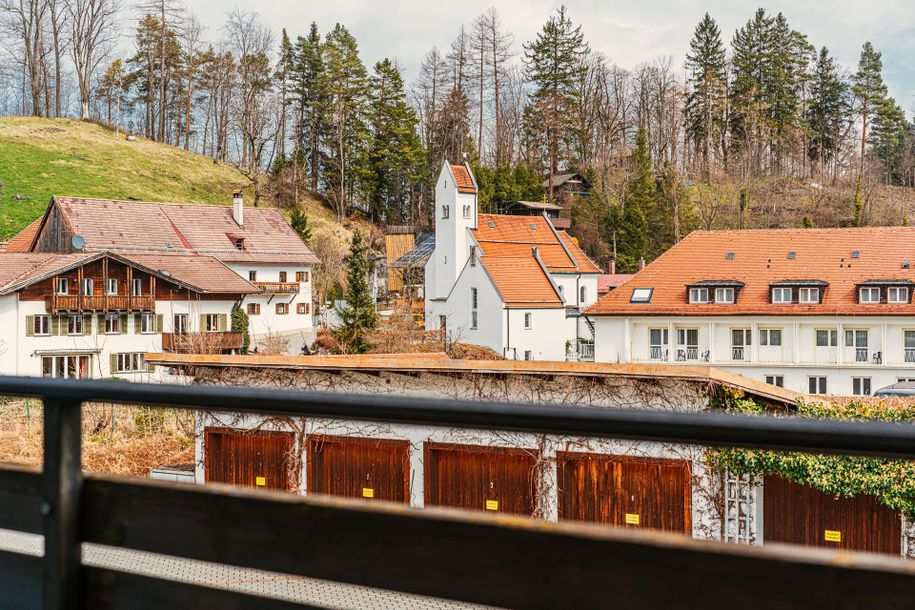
(627, 32)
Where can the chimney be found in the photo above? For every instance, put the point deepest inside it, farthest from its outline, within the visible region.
(535, 252)
(611, 267)
(238, 208)
(641, 263)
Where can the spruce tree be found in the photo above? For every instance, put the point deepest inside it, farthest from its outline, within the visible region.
(394, 151)
(869, 89)
(298, 220)
(309, 102)
(751, 50)
(358, 317)
(629, 223)
(828, 111)
(707, 84)
(239, 322)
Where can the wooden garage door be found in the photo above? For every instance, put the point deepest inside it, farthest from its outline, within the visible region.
(359, 468)
(479, 478)
(802, 515)
(617, 490)
(251, 458)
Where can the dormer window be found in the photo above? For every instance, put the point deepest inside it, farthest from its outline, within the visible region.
(239, 243)
(698, 295)
(724, 295)
(897, 294)
(869, 294)
(808, 295)
(875, 292)
(781, 295)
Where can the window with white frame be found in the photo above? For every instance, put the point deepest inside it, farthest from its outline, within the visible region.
(808, 295)
(66, 367)
(641, 295)
(444, 212)
(473, 309)
(861, 386)
(211, 322)
(826, 337)
(724, 295)
(112, 324)
(111, 289)
(816, 385)
(63, 285)
(252, 275)
(136, 287)
(74, 325)
(776, 380)
(528, 355)
(527, 321)
(781, 294)
(466, 211)
(869, 294)
(897, 294)
(698, 295)
(130, 363)
(41, 325)
(87, 287)
(147, 323)
(179, 323)
(657, 343)
(770, 337)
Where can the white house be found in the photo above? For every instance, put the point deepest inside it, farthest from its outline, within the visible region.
(819, 311)
(257, 244)
(514, 284)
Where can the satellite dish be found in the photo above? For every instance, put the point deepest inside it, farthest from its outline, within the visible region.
(78, 242)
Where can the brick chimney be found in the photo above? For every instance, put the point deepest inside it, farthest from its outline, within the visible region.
(238, 208)
(611, 267)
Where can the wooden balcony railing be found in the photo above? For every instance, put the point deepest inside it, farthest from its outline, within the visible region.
(57, 303)
(508, 562)
(202, 343)
(278, 287)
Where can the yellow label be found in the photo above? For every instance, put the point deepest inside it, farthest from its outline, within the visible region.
(260, 481)
(833, 536)
(632, 519)
(492, 505)
(368, 492)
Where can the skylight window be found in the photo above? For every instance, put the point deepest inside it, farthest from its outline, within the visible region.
(730, 256)
(855, 254)
(792, 256)
(641, 295)
(492, 225)
(533, 227)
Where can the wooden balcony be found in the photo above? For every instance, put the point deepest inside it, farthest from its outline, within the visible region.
(278, 287)
(202, 343)
(58, 303)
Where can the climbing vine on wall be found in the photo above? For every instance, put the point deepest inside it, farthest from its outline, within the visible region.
(891, 481)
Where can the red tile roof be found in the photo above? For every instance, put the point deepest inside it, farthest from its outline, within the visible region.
(463, 179)
(585, 264)
(184, 228)
(608, 281)
(761, 258)
(521, 282)
(20, 267)
(203, 273)
(22, 241)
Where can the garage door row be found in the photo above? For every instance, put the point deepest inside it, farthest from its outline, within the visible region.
(607, 489)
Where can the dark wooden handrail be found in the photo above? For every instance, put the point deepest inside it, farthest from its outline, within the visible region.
(472, 557)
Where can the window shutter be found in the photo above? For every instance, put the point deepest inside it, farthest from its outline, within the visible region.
(223, 323)
(203, 323)
(101, 323)
(136, 324)
(29, 326)
(87, 324)
(160, 323)
(113, 363)
(58, 327)
(122, 324)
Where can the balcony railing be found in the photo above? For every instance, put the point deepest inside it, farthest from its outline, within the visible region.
(278, 287)
(687, 353)
(468, 557)
(586, 352)
(202, 343)
(657, 353)
(738, 353)
(57, 303)
(909, 355)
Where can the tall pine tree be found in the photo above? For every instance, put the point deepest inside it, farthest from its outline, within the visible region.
(707, 87)
(629, 222)
(309, 103)
(827, 112)
(870, 91)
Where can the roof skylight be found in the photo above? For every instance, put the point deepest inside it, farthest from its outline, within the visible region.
(641, 295)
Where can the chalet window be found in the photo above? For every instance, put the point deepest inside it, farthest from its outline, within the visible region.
(869, 295)
(724, 295)
(301, 276)
(252, 276)
(254, 309)
(282, 277)
(776, 380)
(112, 324)
(180, 323)
(897, 294)
(129, 363)
(211, 322)
(63, 285)
(827, 337)
(303, 308)
(74, 325)
(861, 386)
(527, 321)
(112, 288)
(771, 337)
(88, 287)
(816, 385)
(41, 325)
(808, 295)
(63, 367)
(282, 309)
(781, 295)
(147, 323)
(136, 287)
(698, 295)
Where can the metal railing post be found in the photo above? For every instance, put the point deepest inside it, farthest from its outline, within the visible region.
(61, 482)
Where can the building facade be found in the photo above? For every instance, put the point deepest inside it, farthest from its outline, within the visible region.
(514, 284)
(824, 311)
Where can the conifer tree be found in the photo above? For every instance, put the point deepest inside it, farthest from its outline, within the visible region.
(298, 220)
(358, 316)
(629, 222)
(308, 102)
(707, 87)
(828, 111)
(751, 50)
(869, 90)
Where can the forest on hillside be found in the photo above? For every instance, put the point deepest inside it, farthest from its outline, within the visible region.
(761, 128)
